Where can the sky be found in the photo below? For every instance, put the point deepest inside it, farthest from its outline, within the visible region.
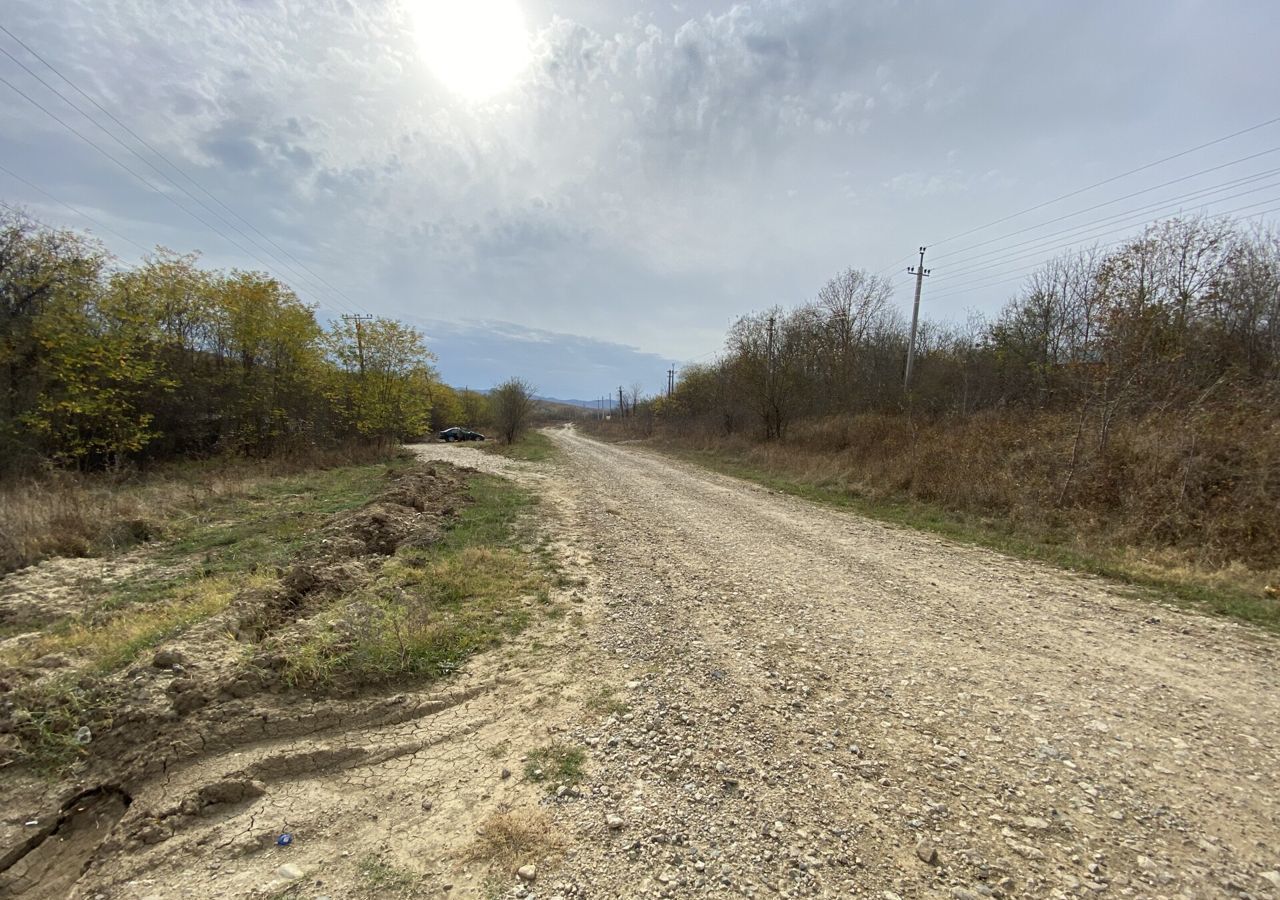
(584, 193)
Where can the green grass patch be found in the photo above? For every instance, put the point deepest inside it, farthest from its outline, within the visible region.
(272, 522)
(117, 640)
(533, 446)
(605, 702)
(47, 716)
(379, 878)
(231, 545)
(1218, 600)
(427, 610)
(556, 764)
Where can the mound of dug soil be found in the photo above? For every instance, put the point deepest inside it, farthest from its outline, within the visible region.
(214, 686)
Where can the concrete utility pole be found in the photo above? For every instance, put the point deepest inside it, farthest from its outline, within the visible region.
(622, 404)
(920, 272)
(671, 381)
(359, 320)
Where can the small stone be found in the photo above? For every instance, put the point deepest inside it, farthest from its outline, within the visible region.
(1273, 877)
(1034, 823)
(505, 773)
(289, 872)
(527, 873)
(613, 821)
(927, 852)
(426, 805)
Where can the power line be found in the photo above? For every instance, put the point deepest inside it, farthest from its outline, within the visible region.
(171, 199)
(1113, 178)
(1081, 212)
(319, 279)
(78, 212)
(144, 181)
(1141, 213)
(1003, 277)
(1039, 253)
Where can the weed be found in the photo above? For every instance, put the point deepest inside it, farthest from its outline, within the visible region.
(427, 610)
(113, 642)
(64, 514)
(382, 879)
(556, 764)
(604, 702)
(510, 839)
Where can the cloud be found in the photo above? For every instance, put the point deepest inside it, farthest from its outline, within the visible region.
(654, 172)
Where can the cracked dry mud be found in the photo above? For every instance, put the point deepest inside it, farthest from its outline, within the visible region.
(776, 699)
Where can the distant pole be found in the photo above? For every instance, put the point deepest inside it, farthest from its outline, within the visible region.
(671, 381)
(920, 272)
(622, 404)
(359, 320)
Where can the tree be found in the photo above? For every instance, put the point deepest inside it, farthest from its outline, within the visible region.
(446, 407)
(477, 410)
(512, 408)
(384, 381)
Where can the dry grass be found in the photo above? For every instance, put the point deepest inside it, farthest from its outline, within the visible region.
(106, 643)
(1183, 501)
(70, 514)
(508, 840)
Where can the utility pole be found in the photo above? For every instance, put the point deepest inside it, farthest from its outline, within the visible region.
(920, 272)
(671, 381)
(359, 320)
(622, 404)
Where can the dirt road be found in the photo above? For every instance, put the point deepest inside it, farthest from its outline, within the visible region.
(774, 699)
(820, 704)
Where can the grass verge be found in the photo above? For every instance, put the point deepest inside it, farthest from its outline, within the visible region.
(1188, 592)
(427, 610)
(534, 446)
(220, 547)
(68, 514)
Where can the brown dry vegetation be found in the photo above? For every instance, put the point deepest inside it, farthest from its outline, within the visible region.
(73, 514)
(1182, 503)
(510, 839)
(1121, 414)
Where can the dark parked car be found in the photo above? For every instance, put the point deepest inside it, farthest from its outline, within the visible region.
(449, 435)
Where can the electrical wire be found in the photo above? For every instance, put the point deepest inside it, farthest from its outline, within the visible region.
(1096, 206)
(1003, 277)
(1140, 214)
(167, 196)
(317, 278)
(1113, 178)
(78, 212)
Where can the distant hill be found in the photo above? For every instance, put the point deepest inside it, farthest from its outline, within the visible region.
(584, 404)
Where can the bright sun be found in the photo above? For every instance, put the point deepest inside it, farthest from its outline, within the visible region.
(476, 48)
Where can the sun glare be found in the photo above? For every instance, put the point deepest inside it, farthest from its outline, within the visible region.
(477, 48)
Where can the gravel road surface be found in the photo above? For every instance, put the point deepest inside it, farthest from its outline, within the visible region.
(818, 704)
